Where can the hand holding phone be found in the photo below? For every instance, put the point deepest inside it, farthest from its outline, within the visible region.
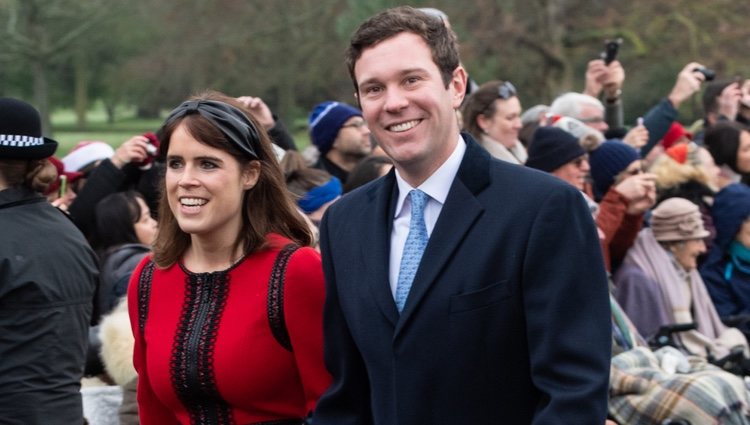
(611, 48)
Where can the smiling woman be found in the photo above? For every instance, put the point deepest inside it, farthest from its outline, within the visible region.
(658, 283)
(233, 277)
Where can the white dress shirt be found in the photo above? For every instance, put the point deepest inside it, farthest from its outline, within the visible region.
(436, 187)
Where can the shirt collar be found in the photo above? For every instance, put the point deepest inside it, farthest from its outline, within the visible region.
(439, 183)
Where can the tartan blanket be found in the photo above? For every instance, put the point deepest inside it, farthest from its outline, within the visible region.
(641, 392)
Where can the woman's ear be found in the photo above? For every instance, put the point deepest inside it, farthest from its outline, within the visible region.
(483, 122)
(251, 174)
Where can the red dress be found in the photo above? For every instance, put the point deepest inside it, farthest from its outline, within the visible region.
(204, 349)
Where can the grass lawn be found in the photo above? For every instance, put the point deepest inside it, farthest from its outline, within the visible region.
(67, 134)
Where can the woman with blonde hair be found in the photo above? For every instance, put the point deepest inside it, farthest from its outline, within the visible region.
(227, 314)
(686, 170)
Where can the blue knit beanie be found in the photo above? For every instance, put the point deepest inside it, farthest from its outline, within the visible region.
(731, 207)
(551, 148)
(607, 161)
(326, 120)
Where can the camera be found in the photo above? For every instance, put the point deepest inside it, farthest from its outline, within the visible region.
(710, 74)
(611, 47)
(151, 149)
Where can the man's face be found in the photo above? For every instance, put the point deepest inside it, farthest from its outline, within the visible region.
(407, 106)
(574, 172)
(353, 139)
(743, 236)
(593, 117)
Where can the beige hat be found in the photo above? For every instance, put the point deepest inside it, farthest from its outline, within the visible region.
(677, 219)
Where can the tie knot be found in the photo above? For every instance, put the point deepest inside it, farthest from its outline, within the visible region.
(418, 201)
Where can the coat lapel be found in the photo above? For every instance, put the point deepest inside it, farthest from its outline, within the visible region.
(377, 244)
(459, 213)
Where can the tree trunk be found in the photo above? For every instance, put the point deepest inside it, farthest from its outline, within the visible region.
(41, 94)
(81, 89)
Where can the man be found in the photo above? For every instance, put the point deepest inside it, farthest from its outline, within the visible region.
(506, 319)
(341, 136)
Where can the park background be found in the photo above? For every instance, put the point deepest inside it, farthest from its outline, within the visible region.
(109, 69)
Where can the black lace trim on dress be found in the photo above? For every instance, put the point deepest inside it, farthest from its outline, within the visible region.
(275, 304)
(192, 351)
(144, 294)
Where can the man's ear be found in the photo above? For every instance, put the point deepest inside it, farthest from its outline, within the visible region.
(458, 85)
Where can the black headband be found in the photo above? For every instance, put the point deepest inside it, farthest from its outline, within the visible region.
(232, 122)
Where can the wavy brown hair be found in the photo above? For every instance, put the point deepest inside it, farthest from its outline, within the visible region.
(267, 207)
(481, 102)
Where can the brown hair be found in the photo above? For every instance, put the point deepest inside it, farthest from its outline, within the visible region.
(267, 207)
(480, 102)
(299, 177)
(392, 22)
(36, 174)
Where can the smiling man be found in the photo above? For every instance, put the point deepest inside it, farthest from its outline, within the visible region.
(460, 289)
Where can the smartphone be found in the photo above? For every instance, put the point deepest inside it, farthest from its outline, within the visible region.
(611, 47)
(63, 186)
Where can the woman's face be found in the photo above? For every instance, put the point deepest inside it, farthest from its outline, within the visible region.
(205, 187)
(505, 123)
(145, 227)
(686, 252)
(709, 165)
(743, 153)
(743, 236)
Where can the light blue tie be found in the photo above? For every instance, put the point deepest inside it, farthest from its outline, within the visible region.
(416, 241)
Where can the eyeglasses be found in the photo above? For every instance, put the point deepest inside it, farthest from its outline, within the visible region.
(591, 120)
(506, 90)
(578, 162)
(355, 124)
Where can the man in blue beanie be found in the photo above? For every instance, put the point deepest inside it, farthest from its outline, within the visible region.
(341, 136)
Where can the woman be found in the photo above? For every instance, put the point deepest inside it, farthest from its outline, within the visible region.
(685, 171)
(125, 231)
(727, 268)
(227, 315)
(658, 283)
(48, 275)
(492, 114)
(729, 144)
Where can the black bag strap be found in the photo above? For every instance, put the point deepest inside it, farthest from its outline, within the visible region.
(275, 304)
(144, 294)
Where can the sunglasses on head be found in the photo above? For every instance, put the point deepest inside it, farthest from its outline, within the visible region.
(506, 90)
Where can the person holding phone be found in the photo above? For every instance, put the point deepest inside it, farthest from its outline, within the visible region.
(48, 274)
(604, 79)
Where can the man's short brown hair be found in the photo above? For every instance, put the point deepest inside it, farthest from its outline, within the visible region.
(391, 22)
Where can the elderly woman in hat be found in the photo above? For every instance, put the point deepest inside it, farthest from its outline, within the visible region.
(658, 283)
(48, 275)
(227, 313)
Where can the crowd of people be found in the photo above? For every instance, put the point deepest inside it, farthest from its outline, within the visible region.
(437, 254)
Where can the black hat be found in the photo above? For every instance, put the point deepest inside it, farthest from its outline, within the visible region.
(551, 148)
(21, 132)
